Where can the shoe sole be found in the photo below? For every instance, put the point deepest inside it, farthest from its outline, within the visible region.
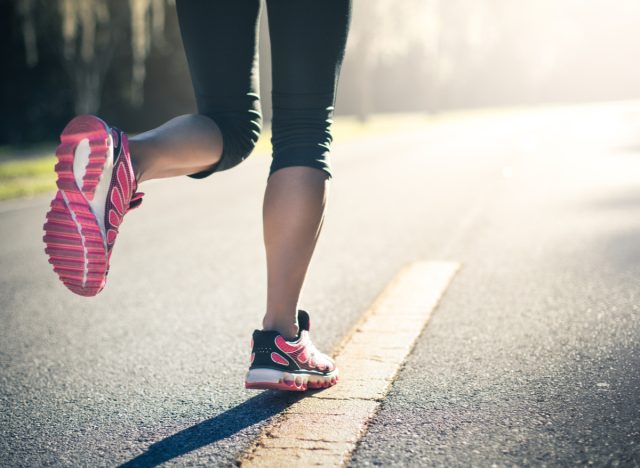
(271, 379)
(74, 241)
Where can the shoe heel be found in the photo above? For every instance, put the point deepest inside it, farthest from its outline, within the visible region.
(96, 132)
(66, 247)
(271, 379)
(75, 246)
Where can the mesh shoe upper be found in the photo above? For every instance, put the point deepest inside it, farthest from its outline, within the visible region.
(271, 350)
(122, 195)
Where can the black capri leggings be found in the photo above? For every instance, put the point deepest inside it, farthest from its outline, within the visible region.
(308, 39)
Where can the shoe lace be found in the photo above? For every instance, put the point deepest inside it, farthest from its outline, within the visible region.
(136, 201)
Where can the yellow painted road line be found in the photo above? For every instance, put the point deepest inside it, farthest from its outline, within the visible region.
(324, 427)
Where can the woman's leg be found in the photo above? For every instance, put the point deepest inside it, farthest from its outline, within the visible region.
(96, 190)
(184, 145)
(220, 41)
(293, 212)
(308, 39)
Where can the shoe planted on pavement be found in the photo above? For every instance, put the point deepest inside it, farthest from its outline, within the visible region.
(289, 365)
(96, 188)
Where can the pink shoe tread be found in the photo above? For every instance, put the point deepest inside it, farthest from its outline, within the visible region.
(76, 245)
(97, 133)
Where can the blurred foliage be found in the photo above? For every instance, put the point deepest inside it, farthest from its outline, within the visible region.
(82, 56)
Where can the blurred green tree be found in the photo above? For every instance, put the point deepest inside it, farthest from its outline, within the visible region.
(89, 33)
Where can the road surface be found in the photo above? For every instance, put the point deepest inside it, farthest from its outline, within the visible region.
(533, 356)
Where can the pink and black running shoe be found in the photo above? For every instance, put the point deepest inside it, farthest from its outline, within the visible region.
(96, 188)
(289, 365)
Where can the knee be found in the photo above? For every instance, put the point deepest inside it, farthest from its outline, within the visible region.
(302, 131)
(240, 132)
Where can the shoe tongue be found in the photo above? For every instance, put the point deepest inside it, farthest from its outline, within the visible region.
(117, 143)
(118, 150)
(304, 322)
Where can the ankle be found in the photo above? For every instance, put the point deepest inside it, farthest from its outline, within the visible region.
(135, 161)
(289, 330)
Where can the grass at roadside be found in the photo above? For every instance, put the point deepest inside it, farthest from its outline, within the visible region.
(25, 176)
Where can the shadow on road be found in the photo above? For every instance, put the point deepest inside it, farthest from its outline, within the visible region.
(252, 411)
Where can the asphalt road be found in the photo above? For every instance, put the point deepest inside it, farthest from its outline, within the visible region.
(532, 358)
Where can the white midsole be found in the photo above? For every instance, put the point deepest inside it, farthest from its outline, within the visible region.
(81, 159)
(276, 376)
(99, 202)
(79, 229)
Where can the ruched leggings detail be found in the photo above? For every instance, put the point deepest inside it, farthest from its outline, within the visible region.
(308, 39)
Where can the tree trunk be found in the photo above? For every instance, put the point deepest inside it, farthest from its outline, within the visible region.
(87, 90)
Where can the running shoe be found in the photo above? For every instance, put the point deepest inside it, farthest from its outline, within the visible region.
(289, 365)
(96, 188)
